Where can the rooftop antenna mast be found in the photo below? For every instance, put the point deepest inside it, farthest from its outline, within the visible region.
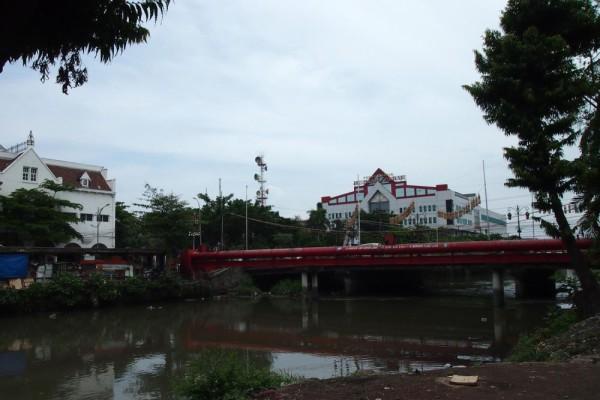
(262, 193)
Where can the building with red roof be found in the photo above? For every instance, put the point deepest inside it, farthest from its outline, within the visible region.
(22, 167)
(411, 206)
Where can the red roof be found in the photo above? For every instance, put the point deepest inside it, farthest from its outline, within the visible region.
(72, 176)
(5, 163)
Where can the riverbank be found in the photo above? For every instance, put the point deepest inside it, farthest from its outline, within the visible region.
(532, 381)
(68, 292)
(574, 374)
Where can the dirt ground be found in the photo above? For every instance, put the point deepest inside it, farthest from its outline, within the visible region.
(547, 381)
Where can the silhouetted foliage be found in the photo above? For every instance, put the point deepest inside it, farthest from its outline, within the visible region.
(127, 227)
(540, 83)
(34, 217)
(165, 220)
(43, 33)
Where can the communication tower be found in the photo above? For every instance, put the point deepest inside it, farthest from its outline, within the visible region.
(262, 193)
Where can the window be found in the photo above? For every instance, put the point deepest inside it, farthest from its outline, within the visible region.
(435, 220)
(429, 208)
(379, 203)
(85, 182)
(33, 175)
(420, 208)
(102, 218)
(86, 217)
(25, 173)
(430, 220)
(433, 207)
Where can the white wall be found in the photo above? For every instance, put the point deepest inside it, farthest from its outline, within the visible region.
(91, 200)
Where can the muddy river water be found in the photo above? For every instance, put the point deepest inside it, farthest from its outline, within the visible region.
(138, 352)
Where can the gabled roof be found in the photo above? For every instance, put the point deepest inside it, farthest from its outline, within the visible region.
(72, 177)
(5, 163)
(380, 172)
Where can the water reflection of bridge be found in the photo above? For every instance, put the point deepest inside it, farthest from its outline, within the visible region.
(331, 343)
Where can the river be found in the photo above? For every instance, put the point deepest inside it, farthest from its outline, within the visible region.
(138, 352)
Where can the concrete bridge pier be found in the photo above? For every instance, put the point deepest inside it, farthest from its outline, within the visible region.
(304, 278)
(349, 284)
(498, 287)
(315, 284)
(310, 283)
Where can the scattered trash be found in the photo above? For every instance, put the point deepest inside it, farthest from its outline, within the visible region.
(466, 380)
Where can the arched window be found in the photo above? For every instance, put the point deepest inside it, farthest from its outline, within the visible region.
(379, 203)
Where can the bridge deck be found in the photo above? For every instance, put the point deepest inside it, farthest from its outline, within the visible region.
(550, 253)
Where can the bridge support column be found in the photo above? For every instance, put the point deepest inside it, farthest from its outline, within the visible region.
(315, 284)
(498, 287)
(304, 278)
(349, 284)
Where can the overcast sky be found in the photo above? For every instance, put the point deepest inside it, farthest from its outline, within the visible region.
(325, 90)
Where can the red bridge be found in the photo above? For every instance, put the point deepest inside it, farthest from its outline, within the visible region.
(500, 253)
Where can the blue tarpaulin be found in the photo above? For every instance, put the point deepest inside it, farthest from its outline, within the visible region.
(13, 266)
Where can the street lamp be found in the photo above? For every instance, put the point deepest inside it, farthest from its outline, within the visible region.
(98, 220)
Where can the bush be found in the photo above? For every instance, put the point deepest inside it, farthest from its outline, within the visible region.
(68, 292)
(287, 287)
(246, 287)
(225, 375)
(529, 348)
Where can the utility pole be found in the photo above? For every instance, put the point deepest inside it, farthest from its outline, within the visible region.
(487, 209)
(358, 205)
(532, 220)
(199, 224)
(222, 206)
(518, 211)
(246, 203)
(98, 220)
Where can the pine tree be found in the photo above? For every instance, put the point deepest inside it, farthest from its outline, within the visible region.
(538, 83)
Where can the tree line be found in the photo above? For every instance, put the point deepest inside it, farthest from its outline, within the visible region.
(162, 220)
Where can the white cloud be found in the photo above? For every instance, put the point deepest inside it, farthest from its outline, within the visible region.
(325, 89)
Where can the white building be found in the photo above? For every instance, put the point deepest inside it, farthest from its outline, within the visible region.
(432, 206)
(22, 167)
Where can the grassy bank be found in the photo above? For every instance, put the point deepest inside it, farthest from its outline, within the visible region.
(228, 375)
(68, 292)
(529, 347)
